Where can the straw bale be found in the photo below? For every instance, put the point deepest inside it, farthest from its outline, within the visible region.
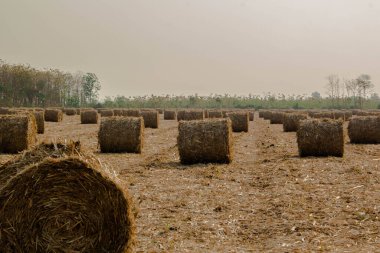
(71, 111)
(118, 112)
(240, 121)
(64, 204)
(17, 132)
(251, 115)
(205, 141)
(339, 115)
(170, 114)
(151, 118)
(292, 120)
(53, 115)
(277, 117)
(106, 113)
(347, 115)
(121, 134)
(132, 113)
(320, 137)
(364, 129)
(215, 114)
(160, 111)
(5, 111)
(36, 155)
(89, 117)
(190, 115)
(40, 121)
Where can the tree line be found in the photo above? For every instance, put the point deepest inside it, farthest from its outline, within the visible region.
(25, 86)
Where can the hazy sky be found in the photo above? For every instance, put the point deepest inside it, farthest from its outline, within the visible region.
(197, 46)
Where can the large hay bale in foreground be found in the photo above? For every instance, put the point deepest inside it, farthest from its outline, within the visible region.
(170, 114)
(317, 137)
(89, 117)
(151, 118)
(17, 132)
(69, 204)
(240, 121)
(40, 121)
(53, 115)
(364, 129)
(36, 155)
(190, 115)
(291, 121)
(121, 134)
(106, 113)
(71, 111)
(215, 114)
(205, 141)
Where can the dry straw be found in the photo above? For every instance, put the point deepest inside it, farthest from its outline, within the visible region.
(151, 118)
(40, 121)
(121, 134)
(205, 141)
(190, 115)
(53, 115)
(160, 110)
(17, 132)
(89, 117)
(320, 137)
(364, 129)
(170, 114)
(64, 204)
(240, 121)
(292, 120)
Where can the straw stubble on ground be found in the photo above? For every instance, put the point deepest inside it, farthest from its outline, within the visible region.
(267, 200)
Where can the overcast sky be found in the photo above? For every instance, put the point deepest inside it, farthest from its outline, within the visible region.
(197, 46)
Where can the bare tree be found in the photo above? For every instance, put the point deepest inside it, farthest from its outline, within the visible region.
(333, 88)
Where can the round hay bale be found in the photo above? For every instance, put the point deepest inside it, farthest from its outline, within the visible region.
(347, 115)
(118, 112)
(89, 117)
(277, 117)
(67, 204)
(151, 118)
(4, 110)
(17, 132)
(40, 121)
(215, 114)
(71, 111)
(190, 115)
(121, 134)
(160, 111)
(251, 115)
(339, 115)
(170, 114)
(364, 129)
(106, 113)
(132, 113)
(36, 155)
(240, 121)
(320, 137)
(53, 115)
(292, 120)
(205, 141)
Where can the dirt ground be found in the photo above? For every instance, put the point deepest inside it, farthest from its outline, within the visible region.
(267, 200)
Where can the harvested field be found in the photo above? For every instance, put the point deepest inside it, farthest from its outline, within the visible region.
(267, 200)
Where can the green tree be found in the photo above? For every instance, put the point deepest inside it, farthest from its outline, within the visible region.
(91, 87)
